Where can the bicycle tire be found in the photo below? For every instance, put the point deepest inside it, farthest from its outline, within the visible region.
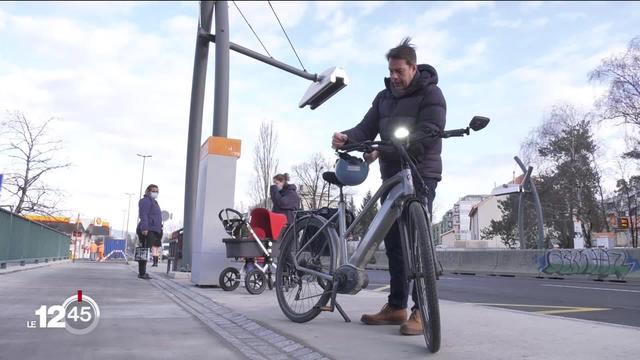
(425, 275)
(289, 281)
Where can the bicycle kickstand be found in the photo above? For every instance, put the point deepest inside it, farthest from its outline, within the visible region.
(335, 305)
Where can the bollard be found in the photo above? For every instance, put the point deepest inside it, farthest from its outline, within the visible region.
(22, 262)
(46, 260)
(3, 265)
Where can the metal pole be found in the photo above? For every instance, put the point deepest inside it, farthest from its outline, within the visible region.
(144, 158)
(195, 130)
(221, 90)
(521, 220)
(537, 204)
(126, 240)
(123, 222)
(267, 60)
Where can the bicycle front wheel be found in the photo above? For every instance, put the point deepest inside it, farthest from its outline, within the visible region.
(423, 269)
(300, 292)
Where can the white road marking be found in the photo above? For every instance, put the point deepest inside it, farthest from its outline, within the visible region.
(591, 288)
(382, 288)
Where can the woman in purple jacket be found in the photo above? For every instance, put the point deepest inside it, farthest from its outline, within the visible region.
(149, 228)
(284, 196)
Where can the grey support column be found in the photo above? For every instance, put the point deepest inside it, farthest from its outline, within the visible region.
(221, 93)
(195, 130)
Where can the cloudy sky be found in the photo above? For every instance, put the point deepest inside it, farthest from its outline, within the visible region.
(117, 78)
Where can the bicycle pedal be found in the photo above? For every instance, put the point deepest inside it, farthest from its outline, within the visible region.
(326, 308)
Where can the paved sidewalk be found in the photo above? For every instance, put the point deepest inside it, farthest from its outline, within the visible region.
(138, 321)
(468, 331)
(165, 318)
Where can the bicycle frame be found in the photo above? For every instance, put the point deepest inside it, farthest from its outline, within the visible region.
(398, 188)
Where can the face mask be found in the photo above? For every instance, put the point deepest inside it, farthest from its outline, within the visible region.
(154, 195)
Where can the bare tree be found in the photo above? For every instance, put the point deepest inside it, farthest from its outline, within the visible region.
(314, 191)
(32, 155)
(622, 100)
(265, 165)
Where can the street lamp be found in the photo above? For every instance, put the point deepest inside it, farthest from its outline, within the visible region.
(126, 242)
(124, 211)
(144, 158)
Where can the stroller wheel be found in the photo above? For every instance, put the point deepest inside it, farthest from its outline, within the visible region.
(270, 280)
(255, 282)
(229, 279)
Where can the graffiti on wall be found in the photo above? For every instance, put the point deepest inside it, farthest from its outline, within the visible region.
(599, 262)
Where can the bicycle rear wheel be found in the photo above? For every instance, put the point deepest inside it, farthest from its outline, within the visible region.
(422, 266)
(300, 293)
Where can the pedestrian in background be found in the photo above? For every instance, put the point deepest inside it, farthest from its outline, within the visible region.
(284, 196)
(93, 251)
(101, 251)
(149, 227)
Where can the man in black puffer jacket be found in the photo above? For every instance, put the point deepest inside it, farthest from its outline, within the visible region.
(411, 99)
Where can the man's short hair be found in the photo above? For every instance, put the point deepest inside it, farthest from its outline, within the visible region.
(404, 51)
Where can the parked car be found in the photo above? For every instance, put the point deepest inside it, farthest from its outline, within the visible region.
(165, 251)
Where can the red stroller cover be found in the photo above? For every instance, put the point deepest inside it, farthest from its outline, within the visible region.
(267, 224)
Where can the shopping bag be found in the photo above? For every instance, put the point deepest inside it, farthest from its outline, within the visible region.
(141, 254)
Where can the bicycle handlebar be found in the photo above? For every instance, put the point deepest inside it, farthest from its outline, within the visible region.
(401, 146)
(369, 146)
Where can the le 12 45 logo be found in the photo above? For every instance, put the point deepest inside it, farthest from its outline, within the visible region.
(78, 314)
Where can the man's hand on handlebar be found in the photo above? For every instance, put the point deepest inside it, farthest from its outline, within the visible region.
(371, 157)
(338, 140)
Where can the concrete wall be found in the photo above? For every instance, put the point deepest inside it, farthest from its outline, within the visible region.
(618, 263)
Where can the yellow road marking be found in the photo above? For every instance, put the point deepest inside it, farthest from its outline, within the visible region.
(523, 305)
(592, 288)
(383, 288)
(566, 311)
(553, 309)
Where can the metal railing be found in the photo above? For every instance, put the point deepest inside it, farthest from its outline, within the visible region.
(175, 251)
(24, 241)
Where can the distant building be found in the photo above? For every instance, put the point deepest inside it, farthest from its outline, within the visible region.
(480, 218)
(436, 233)
(461, 215)
(59, 223)
(456, 223)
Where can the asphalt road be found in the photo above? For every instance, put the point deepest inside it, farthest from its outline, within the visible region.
(616, 303)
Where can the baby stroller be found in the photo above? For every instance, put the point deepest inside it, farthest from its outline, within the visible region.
(255, 241)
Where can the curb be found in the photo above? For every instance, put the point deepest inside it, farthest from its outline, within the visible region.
(32, 266)
(252, 339)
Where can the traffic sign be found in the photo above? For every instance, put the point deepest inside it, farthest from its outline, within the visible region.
(623, 223)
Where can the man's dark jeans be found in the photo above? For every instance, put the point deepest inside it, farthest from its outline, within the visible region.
(399, 286)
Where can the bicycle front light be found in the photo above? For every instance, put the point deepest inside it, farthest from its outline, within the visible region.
(401, 133)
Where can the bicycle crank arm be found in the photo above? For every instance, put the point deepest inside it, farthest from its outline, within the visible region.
(334, 304)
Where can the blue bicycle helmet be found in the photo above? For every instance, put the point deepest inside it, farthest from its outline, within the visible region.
(351, 170)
